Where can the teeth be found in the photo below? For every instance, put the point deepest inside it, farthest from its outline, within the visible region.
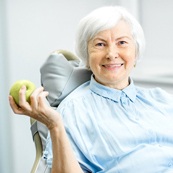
(118, 65)
(113, 65)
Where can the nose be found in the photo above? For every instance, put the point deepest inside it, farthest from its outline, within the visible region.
(112, 52)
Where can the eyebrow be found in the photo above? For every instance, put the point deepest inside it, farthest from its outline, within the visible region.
(130, 38)
(119, 38)
(98, 39)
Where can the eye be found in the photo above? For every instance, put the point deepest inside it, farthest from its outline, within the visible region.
(122, 42)
(100, 44)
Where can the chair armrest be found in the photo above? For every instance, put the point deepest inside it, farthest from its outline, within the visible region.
(38, 145)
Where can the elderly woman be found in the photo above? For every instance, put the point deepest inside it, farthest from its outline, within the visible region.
(107, 125)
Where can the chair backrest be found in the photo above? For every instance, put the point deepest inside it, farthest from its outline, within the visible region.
(61, 73)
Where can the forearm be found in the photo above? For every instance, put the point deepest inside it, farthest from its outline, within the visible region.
(64, 160)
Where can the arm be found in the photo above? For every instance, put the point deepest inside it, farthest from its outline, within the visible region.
(64, 160)
(63, 156)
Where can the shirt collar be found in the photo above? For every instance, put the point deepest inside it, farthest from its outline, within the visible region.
(111, 93)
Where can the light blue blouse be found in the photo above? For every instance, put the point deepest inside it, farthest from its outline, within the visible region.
(119, 131)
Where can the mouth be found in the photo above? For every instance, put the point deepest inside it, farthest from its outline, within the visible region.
(113, 66)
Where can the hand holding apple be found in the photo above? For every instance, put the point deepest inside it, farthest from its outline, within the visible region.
(14, 91)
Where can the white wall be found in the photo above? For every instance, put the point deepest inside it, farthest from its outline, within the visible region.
(156, 17)
(29, 31)
(5, 120)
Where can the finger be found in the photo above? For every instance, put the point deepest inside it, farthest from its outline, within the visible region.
(22, 99)
(34, 97)
(22, 96)
(16, 109)
(41, 98)
(37, 91)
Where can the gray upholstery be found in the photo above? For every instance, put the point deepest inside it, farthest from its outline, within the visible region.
(61, 73)
(60, 76)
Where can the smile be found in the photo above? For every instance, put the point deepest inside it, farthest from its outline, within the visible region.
(113, 65)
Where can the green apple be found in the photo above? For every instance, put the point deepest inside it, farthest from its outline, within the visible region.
(14, 91)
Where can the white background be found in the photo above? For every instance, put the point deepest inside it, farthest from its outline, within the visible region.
(31, 29)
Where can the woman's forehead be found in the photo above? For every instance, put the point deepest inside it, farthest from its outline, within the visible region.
(121, 29)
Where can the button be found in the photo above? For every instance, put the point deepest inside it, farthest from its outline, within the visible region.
(123, 101)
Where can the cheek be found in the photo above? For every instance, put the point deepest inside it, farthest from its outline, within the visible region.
(130, 56)
(92, 61)
(94, 58)
(94, 64)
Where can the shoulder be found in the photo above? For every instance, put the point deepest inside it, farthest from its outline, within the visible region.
(77, 95)
(157, 94)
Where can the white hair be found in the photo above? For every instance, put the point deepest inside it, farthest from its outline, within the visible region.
(105, 18)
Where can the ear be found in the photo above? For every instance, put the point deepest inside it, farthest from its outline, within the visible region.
(61, 74)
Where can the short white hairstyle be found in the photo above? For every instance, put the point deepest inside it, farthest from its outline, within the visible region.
(102, 19)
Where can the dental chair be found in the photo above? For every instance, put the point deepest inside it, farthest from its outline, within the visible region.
(61, 73)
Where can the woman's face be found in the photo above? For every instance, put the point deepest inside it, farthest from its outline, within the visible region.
(112, 56)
